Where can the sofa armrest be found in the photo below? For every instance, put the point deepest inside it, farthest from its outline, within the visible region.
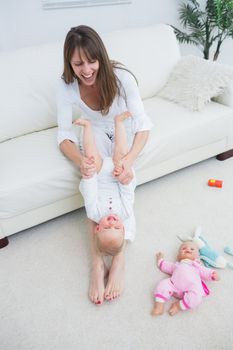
(226, 98)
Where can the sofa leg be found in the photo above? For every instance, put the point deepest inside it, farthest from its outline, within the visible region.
(225, 155)
(3, 242)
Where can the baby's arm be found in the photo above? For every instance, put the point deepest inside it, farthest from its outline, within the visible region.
(164, 266)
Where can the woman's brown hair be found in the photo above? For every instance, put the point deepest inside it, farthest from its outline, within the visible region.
(87, 39)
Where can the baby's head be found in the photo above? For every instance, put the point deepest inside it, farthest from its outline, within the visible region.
(188, 250)
(110, 235)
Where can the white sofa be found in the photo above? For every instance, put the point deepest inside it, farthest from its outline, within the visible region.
(37, 182)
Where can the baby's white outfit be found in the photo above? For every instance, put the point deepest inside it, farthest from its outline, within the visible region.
(103, 195)
(68, 96)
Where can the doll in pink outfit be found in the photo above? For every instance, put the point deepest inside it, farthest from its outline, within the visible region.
(186, 280)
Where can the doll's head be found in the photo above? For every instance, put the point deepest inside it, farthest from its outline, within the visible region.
(110, 235)
(188, 250)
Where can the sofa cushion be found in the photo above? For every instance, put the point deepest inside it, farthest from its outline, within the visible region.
(226, 98)
(177, 130)
(27, 88)
(35, 174)
(149, 52)
(194, 81)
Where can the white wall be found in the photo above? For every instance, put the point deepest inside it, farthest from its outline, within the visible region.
(226, 52)
(25, 23)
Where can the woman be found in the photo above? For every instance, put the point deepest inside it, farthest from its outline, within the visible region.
(102, 89)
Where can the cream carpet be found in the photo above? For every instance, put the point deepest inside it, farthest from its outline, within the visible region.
(44, 275)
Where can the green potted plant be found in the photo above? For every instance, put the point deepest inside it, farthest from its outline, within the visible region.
(205, 27)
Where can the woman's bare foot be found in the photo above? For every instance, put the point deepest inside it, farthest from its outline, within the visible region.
(97, 287)
(175, 307)
(115, 283)
(158, 309)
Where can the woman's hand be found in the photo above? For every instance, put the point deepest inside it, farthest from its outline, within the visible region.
(126, 175)
(117, 169)
(87, 167)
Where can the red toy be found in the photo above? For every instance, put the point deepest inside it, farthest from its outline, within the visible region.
(215, 183)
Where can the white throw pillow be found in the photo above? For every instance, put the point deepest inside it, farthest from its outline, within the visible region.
(194, 81)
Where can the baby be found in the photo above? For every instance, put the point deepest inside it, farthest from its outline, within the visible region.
(186, 281)
(108, 203)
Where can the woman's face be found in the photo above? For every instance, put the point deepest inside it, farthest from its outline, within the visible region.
(86, 70)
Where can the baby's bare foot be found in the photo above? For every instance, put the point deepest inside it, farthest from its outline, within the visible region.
(115, 283)
(175, 307)
(158, 309)
(96, 288)
(82, 122)
(121, 117)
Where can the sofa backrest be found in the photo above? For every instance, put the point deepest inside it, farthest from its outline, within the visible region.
(28, 82)
(29, 76)
(149, 52)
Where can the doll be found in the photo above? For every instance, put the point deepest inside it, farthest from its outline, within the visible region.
(209, 256)
(186, 281)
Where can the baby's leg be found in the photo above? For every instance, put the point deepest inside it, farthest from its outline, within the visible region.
(89, 146)
(121, 144)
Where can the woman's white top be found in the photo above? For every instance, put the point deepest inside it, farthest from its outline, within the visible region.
(103, 195)
(68, 96)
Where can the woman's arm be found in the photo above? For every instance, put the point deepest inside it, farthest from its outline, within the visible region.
(139, 142)
(141, 123)
(70, 150)
(86, 165)
(67, 138)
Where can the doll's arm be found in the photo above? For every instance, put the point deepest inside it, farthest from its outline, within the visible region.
(215, 276)
(159, 257)
(164, 265)
(208, 274)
